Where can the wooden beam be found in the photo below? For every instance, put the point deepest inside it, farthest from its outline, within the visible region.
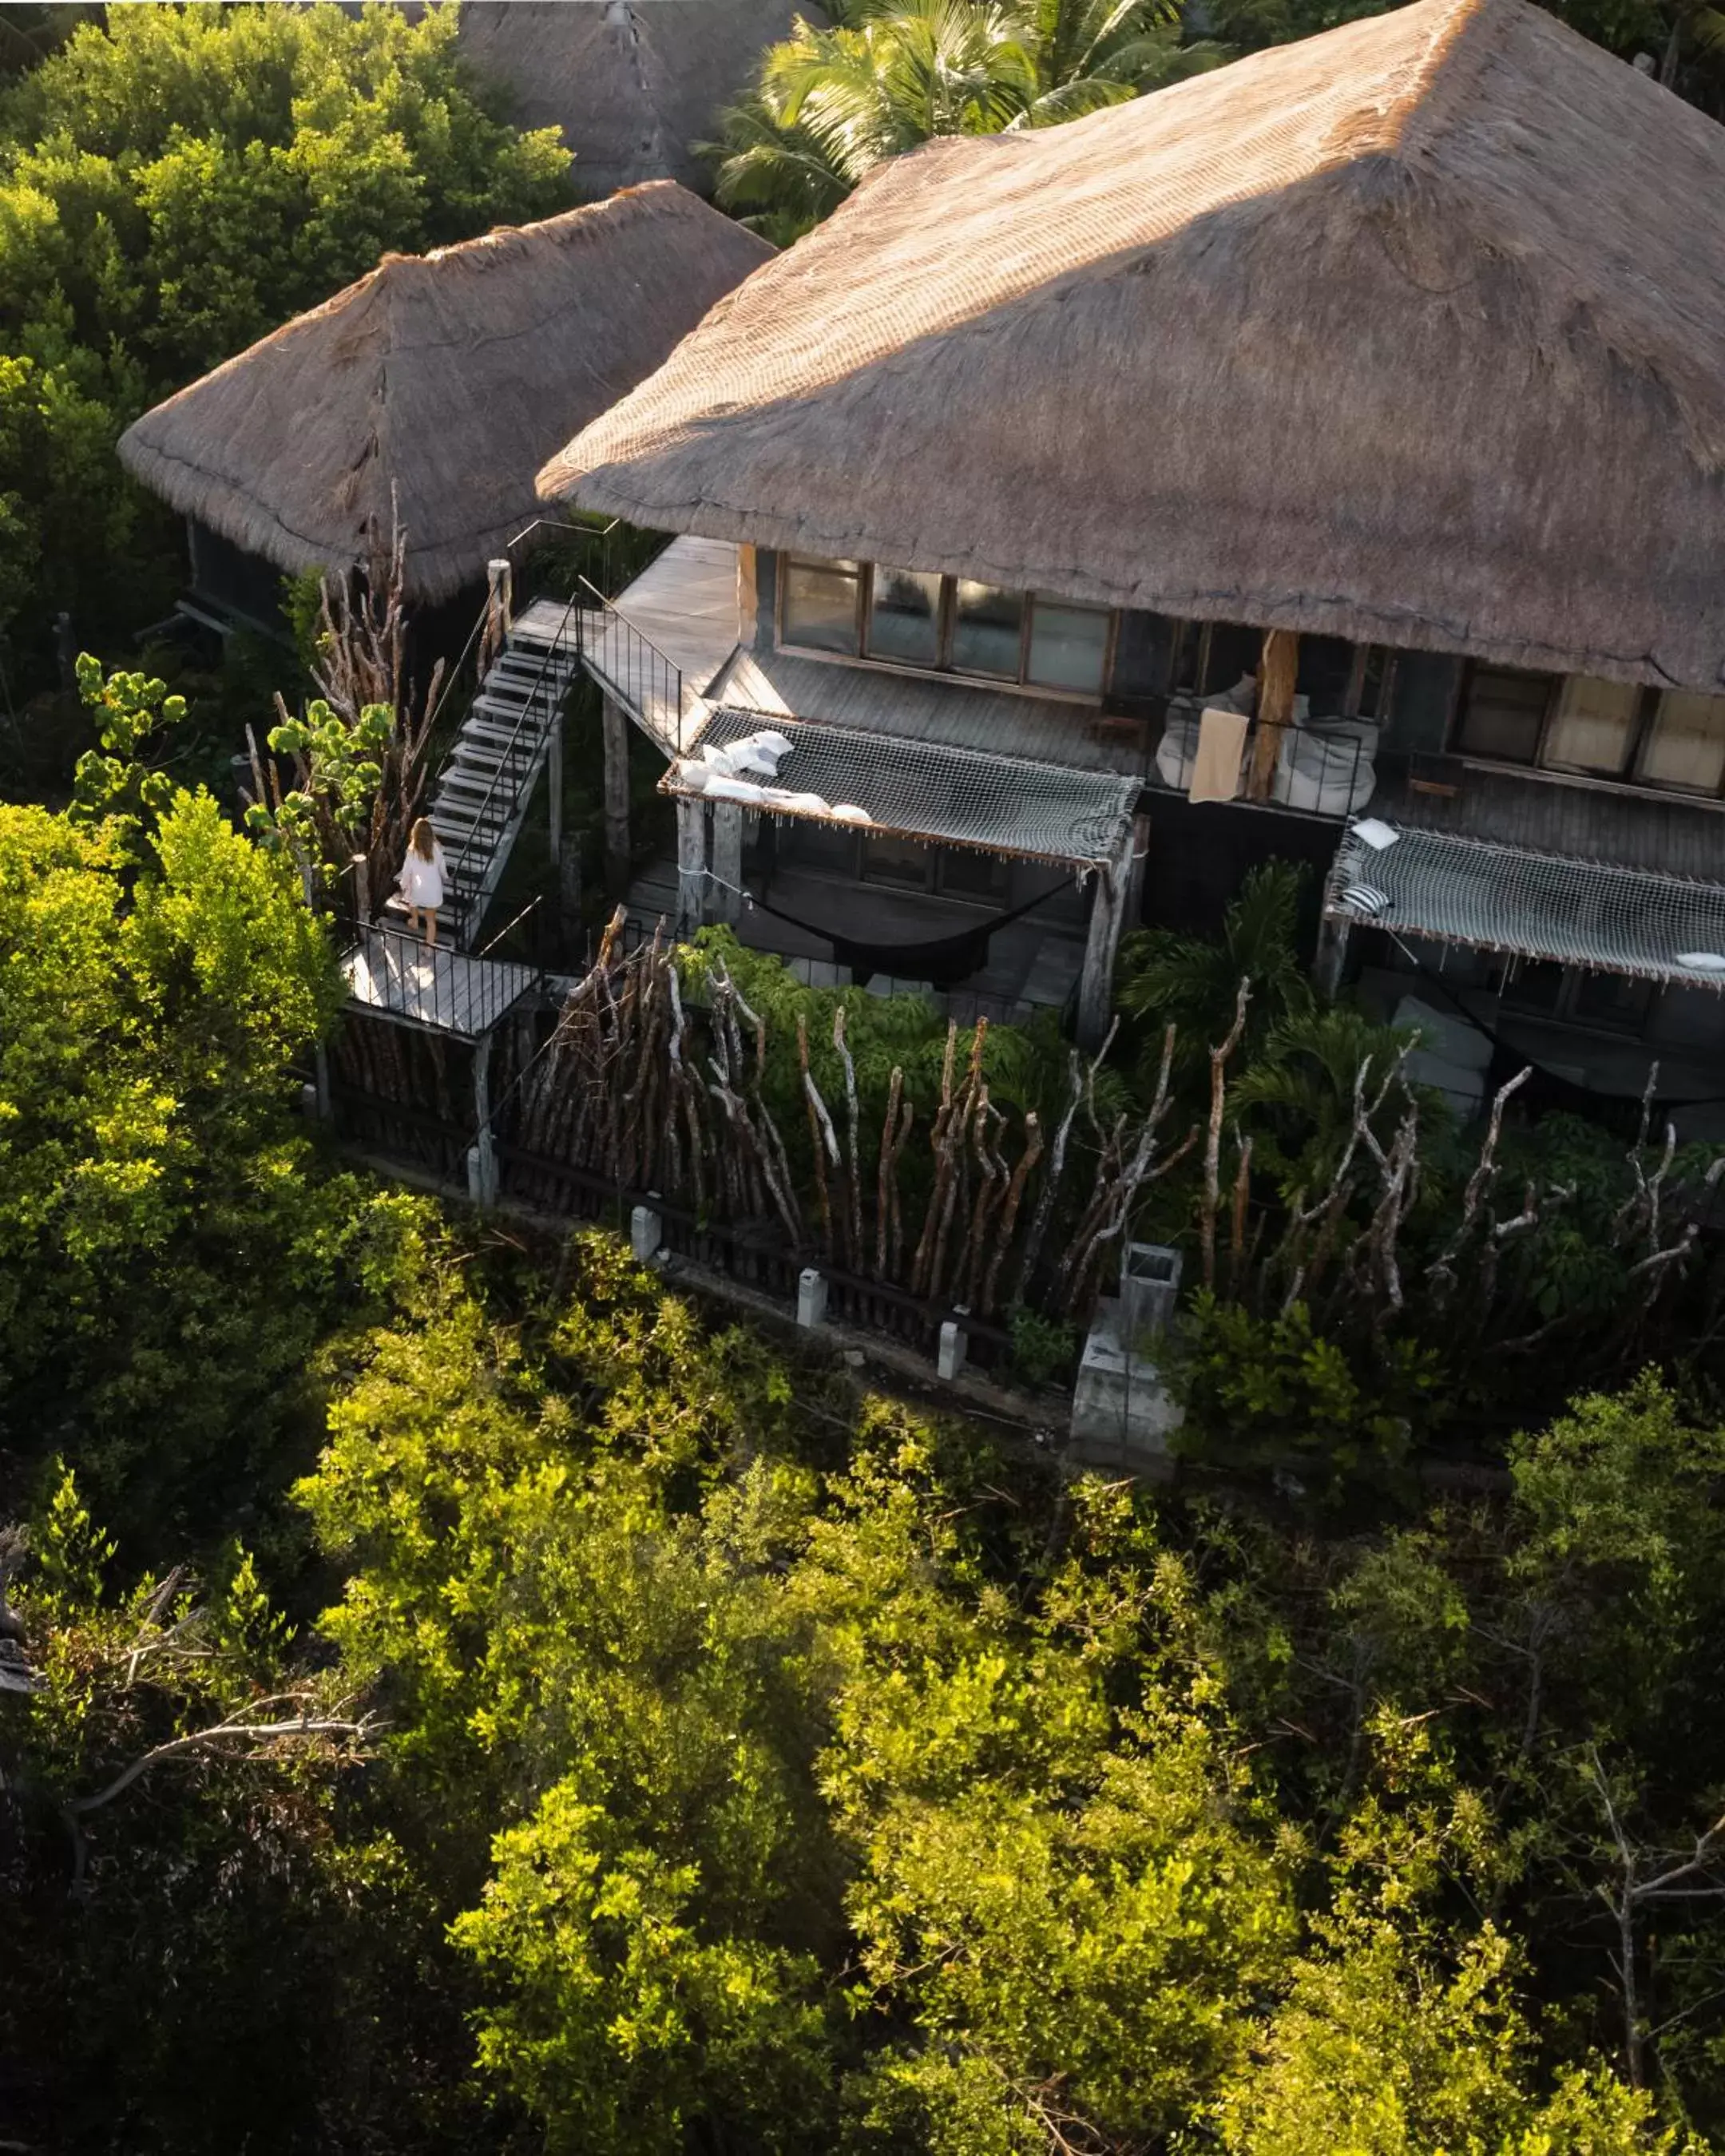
(617, 846)
(747, 598)
(1107, 914)
(724, 893)
(692, 864)
(1278, 668)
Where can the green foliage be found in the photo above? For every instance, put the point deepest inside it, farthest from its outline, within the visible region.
(1275, 1392)
(168, 1256)
(174, 182)
(1042, 1348)
(830, 103)
(207, 1945)
(340, 768)
(114, 783)
(1193, 983)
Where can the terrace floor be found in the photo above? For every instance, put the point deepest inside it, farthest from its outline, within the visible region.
(392, 975)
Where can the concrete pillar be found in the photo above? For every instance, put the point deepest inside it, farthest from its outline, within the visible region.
(724, 893)
(617, 847)
(692, 864)
(811, 1296)
(482, 1154)
(646, 1233)
(950, 1359)
(1096, 984)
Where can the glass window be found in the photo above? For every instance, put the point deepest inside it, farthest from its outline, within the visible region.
(1368, 692)
(987, 630)
(1069, 645)
(820, 605)
(896, 862)
(1502, 714)
(1326, 674)
(1594, 727)
(1234, 653)
(1687, 746)
(905, 616)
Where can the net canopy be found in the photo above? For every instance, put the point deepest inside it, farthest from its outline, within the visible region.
(924, 790)
(1537, 906)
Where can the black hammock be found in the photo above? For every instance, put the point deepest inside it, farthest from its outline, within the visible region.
(943, 963)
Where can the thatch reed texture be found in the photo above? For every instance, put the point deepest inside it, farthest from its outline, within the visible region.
(1413, 331)
(631, 83)
(442, 380)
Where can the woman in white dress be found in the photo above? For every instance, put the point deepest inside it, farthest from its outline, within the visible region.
(421, 880)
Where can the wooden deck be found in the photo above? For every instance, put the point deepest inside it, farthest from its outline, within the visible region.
(395, 975)
(670, 632)
(686, 602)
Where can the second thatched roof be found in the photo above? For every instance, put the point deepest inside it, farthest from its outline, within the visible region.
(442, 381)
(1414, 332)
(633, 84)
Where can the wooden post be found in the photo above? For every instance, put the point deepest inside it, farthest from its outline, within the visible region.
(724, 893)
(1107, 910)
(617, 846)
(747, 601)
(1278, 668)
(554, 787)
(692, 864)
(566, 877)
(1331, 955)
(482, 1160)
(362, 892)
(1137, 871)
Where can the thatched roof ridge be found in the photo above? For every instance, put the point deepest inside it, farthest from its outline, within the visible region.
(1414, 330)
(632, 83)
(447, 377)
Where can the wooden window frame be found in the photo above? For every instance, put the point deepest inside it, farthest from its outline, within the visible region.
(1630, 778)
(1647, 724)
(943, 669)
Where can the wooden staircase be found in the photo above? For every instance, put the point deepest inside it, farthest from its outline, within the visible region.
(481, 800)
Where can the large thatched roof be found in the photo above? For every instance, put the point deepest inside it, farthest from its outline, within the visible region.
(447, 377)
(631, 83)
(1414, 330)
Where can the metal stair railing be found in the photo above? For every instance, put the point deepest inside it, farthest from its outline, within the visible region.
(645, 674)
(514, 762)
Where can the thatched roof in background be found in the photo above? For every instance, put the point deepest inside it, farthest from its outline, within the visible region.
(631, 83)
(1414, 330)
(449, 377)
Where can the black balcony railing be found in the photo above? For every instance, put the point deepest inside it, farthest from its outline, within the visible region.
(1321, 769)
(399, 975)
(638, 674)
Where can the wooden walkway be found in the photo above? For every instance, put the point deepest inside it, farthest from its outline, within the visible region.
(668, 634)
(395, 975)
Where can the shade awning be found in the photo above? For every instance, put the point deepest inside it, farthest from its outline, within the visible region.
(1503, 898)
(918, 789)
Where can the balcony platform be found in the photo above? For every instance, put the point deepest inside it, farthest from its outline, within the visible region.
(684, 605)
(391, 974)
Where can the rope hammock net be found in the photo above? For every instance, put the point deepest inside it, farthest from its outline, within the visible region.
(1494, 897)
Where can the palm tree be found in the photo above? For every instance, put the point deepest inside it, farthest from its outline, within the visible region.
(1191, 982)
(891, 74)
